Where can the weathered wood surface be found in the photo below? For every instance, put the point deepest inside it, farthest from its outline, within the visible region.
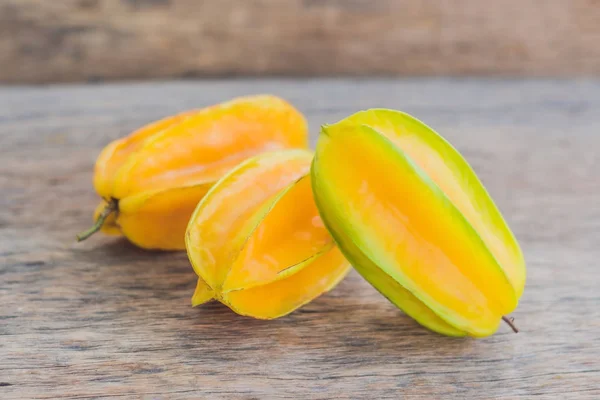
(79, 40)
(103, 319)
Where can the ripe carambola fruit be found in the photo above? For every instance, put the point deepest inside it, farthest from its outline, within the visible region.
(412, 217)
(256, 240)
(152, 180)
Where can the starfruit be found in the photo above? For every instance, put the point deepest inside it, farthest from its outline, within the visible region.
(256, 240)
(412, 217)
(152, 180)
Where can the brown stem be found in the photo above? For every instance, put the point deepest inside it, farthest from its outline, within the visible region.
(111, 206)
(510, 322)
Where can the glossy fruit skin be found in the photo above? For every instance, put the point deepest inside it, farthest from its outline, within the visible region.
(412, 217)
(159, 173)
(256, 240)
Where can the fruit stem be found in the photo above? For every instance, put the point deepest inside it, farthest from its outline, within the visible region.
(111, 206)
(510, 322)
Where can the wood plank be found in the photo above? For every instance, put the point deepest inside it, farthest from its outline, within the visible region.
(90, 40)
(103, 319)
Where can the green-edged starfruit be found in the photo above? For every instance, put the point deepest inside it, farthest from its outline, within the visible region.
(411, 216)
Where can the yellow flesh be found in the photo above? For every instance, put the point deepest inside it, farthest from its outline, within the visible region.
(452, 174)
(417, 235)
(270, 253)
(278, 298)
(223, 220)
(292, 232)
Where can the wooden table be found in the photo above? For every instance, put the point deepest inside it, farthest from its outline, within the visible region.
(103, 319)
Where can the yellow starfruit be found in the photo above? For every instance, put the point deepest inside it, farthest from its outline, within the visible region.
(152, 180)
(412, 217)
(256, 240)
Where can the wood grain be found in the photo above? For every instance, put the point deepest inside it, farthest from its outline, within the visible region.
(91, 40)
(104, 319)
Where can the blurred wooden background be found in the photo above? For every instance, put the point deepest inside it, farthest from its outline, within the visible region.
(88, 40)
